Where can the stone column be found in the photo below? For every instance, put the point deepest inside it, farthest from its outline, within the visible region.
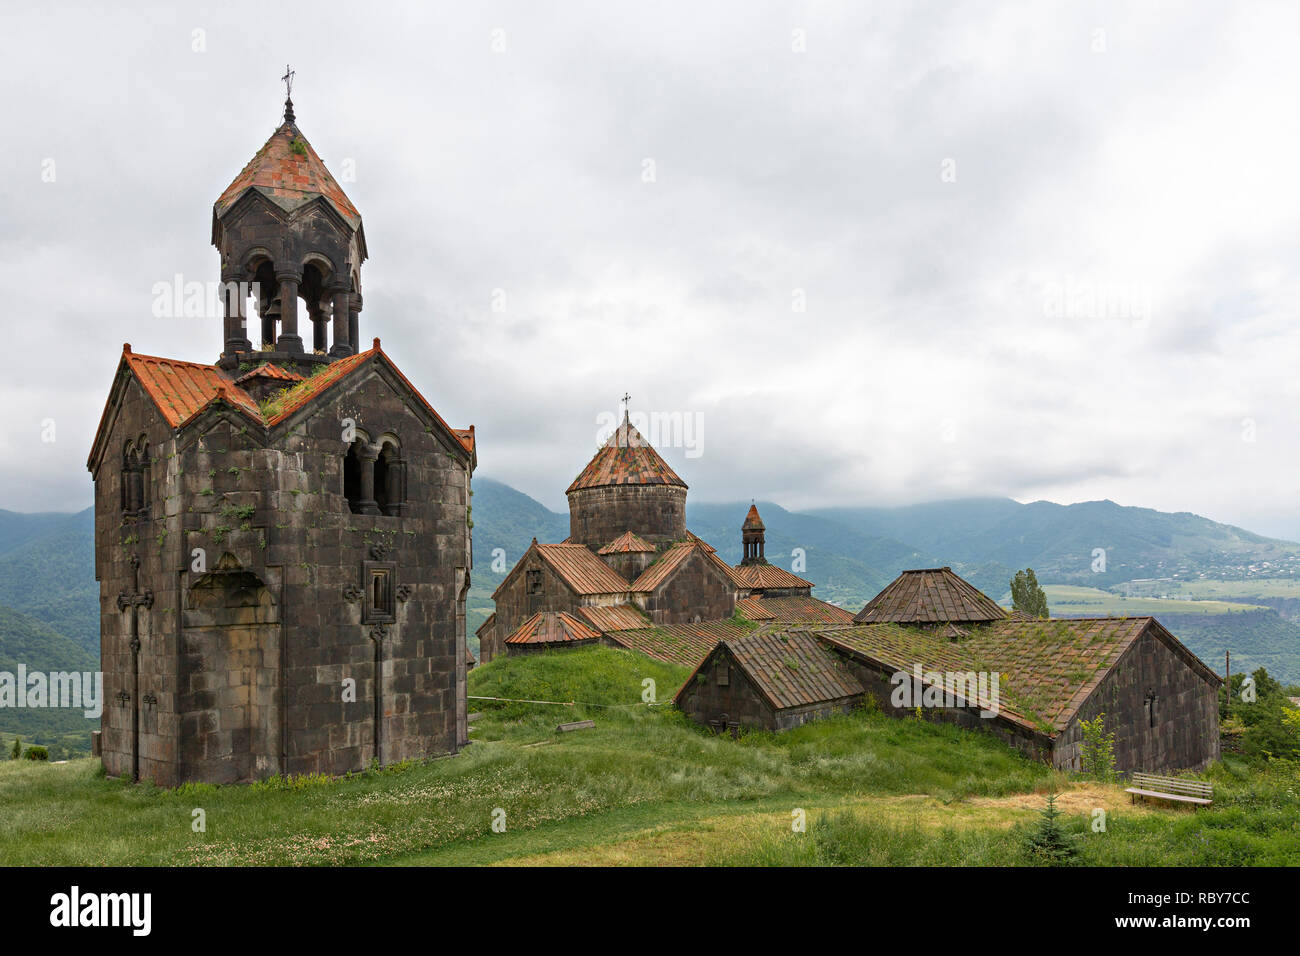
(342, 338)
(233, 308)
(319, 328)
(289, 340)
(396, 480)
(354, 322)
(367, 454)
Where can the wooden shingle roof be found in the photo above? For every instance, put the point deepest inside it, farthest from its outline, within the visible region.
(626, 459)
(792, 669)
(794, 609)
(682, 644)
(619, 617)
(552, 627)
(930, 596)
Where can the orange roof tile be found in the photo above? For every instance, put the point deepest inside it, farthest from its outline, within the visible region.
(552, 627)
(182, 389)
(626, 459)
(269, 370)
(288, 178)
(764, 576)
(581, 569)
(664, 565)
(627, 543)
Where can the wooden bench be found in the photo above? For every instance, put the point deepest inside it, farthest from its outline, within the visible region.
(1196, 792)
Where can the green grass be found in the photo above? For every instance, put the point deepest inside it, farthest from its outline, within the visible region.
(1068, 600)
(646, 785)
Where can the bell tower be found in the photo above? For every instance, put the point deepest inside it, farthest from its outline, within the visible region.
(752, 535)
(290, 238)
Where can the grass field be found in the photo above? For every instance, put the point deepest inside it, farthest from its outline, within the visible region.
(645, 786)
(1070, 601)
(1230, 590)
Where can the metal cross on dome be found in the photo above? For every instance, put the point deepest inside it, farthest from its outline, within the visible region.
(287, 80)
(627, 400)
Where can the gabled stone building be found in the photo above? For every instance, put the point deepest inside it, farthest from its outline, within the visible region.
(282, 540)
(931, 644)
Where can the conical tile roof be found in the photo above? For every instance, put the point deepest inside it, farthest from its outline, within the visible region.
(626, 459)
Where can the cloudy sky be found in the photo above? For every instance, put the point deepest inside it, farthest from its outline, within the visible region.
(863, 253)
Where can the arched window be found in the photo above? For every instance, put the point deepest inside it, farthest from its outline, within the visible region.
(352, 478)
(390, 477)
(135, 478)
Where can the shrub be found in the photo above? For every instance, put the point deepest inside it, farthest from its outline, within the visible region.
(1098, 748)
(37, 752)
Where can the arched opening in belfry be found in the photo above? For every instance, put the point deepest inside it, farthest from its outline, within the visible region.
(316, 305)
(352, 479)
(389, 492)
(265, 303)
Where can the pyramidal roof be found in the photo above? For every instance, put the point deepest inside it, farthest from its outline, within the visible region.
(626, 459)
(930, 596)
(626, 543)
(752, 521)
(287, 171)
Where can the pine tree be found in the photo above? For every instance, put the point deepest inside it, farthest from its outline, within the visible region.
(18, 749)
(1048, 842)
(1027, 596)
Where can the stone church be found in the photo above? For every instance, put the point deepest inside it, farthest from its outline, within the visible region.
(282, 537)
(631, 575)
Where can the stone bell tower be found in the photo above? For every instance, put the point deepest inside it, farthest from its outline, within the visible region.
(287, 232)
(752, 536)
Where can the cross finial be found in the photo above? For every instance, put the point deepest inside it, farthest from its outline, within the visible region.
(627, 399)
(287, 80)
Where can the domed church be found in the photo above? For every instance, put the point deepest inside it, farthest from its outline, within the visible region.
(632, 575)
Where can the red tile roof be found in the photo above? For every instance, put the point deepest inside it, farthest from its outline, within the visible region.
(627, 543)
(626, 459)
(581, 570)
(792, 669)
(269, 370)
(664, 565)
(288, 178)
(619, 617)
(181, 390)
(794, 609)
(552, 627)
(763, 576)
(930, 596)
(752, 521)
